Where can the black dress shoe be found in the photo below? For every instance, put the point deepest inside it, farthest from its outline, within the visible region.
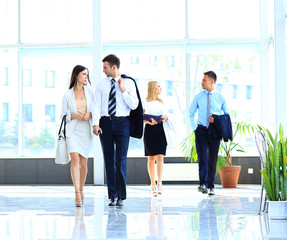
(119, 202)
(112, 203)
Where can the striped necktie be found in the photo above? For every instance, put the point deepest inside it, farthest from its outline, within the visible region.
(208, 108)
(112, 99)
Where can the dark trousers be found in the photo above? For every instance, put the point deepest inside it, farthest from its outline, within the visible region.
(115, 143)
(207, 152)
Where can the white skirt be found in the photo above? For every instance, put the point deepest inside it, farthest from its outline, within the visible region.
(80, 140)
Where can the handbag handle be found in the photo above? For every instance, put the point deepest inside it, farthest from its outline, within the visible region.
(64, 131)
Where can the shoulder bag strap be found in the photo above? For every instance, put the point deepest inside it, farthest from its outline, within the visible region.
(64, 130)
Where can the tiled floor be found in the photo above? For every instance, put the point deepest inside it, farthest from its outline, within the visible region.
(48, 212)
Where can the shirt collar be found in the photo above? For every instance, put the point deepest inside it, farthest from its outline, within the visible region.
(209, 92)
(116, 78)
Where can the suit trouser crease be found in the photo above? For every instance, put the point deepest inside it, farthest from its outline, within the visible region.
(207, 152)
(115, 142)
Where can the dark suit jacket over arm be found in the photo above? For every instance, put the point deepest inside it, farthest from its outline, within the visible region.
(221, 128)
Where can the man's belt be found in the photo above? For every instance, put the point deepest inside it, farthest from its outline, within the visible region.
(112, 117)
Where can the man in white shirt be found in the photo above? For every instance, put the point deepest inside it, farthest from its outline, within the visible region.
(115, 97)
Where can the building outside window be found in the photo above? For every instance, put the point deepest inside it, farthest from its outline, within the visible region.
(249, 92)
(235, 91)
(135, 59)
(50, 79)
(50, 112)
(27, 112)
(27, 77)
(4, 76)
(169, 88)
(153, 60)
(5, 112)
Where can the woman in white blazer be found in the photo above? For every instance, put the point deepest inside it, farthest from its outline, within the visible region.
(78, 103)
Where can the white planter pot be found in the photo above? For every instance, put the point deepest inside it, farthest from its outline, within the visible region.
(277, 210)
(277, 228)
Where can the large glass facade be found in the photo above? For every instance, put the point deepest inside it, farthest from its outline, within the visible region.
(172, 42)
(52, 21)
(9, 102)
(42, 98)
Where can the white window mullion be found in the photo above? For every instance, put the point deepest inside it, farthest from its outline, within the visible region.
(280, 63)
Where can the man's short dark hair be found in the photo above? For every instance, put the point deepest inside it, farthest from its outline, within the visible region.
(112, 60)
(212, 75)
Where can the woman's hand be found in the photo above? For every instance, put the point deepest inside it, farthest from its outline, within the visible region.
(153, 122)
(86, 116)
(163, 118)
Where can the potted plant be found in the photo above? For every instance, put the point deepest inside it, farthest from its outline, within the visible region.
(229, 173)
(224, 163)
(274, 174)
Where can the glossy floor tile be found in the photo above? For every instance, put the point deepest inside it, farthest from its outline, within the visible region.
(48, 212)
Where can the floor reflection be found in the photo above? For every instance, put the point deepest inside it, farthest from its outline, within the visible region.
(207, 219)
(117, 223)
(79, 231)
(156, 220)
(48, 212)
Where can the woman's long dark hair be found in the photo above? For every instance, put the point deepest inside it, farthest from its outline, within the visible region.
(77, 69)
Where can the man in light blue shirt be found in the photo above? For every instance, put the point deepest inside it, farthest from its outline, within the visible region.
(209, 101)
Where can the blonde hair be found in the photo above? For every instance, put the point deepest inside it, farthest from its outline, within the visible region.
(150, 90)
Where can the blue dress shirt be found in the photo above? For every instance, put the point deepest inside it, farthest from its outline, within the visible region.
(218, 106)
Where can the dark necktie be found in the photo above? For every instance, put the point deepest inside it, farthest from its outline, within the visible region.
(112, 99)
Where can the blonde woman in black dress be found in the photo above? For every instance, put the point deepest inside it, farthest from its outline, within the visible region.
(154, 137)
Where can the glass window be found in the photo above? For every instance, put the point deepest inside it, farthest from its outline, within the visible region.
(68, 79)
(27, 77)
(8, 21)
(219, 87)
(135, 59)
(27, 112)
(231, 69)
(234, 91)
(5, 112)
(50, 79)
(9, 99)
(248, 92)
(50, 21)
(153, 60)
(143, 20)
(169, 88)
(40, 132)
(172, 81)
(4, 76)
(50, 113)
(209, 19)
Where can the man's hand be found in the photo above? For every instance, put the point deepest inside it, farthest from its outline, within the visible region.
(97, 130)
(211, 119)
(122, 84)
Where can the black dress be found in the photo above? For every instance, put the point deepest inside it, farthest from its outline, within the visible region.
(154, 140)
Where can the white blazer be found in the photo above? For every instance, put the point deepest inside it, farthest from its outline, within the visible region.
(69, 107)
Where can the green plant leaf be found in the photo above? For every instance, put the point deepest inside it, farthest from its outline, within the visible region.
(267, 184)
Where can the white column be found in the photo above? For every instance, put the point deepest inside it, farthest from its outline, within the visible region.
(97, 69)
(268, 113)
(280, 63)
(98, 156)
